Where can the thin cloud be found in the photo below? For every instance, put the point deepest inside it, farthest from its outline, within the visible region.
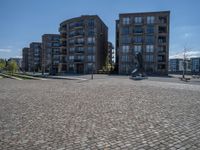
(5, 50)
(189, 54)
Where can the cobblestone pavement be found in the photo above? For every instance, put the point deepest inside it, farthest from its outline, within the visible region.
(99, 114)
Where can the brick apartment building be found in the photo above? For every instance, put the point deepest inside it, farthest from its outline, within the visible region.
(83, 44)
(147, 33)
(35, 57)
(50, 52)
(25, 52)
(110, 52)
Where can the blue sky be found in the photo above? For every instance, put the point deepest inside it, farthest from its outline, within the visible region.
(24, 21)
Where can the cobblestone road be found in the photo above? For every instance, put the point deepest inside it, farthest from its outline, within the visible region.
(100, 114)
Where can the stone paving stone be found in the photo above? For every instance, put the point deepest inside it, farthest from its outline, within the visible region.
(108, 113)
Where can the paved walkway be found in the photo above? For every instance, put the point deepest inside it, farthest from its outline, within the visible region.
(105, 114)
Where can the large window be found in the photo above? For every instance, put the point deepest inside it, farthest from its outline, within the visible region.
(91, 58)
(149, 39)
(126, 21)
(149, 58)
(125, 30)
(124, 58)
(149, 48)
(80, 40)
(91, 40)
(138, 20)
(150, 29)
(137, 48)
(125, 39)
(138, 29)
(91, 49)
(91, 22)
(125, 48)
(150, 19)
(71, 58)
(71, 49)
(138, 39)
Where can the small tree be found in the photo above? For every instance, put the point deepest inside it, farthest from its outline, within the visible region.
(2, 64)
(107, 66)
(12, 66)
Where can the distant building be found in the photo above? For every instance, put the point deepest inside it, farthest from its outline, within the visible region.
(195, 65)
(83, 44)
(147, 33)
(176, 65)
(35, 57)
(111, 53)
(25, 52)
(50, 52)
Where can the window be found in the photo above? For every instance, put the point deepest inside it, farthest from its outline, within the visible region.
(80, 40)
(125, 30)
(125, 48)
(137, 48)
(126, 21)
(125, 58)
(138, 29)
(162, 39)
(80, 57)
(91, 32)
(125, 39)
(91, 40)
(71, 57)
(138, 20)
(149, 48)
(150, 19)
(91, 22)
(150, 39)
(149, 58)
(138, 39)
(91, 49)
(91, 58)
(71, 41)
(56, 44)
(150, 29)
(71, 67)
(71, 49)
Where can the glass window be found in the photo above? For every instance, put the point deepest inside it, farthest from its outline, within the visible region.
(71, 57)
(56, 44)
(91, 49)
(125, 48)
(138, 20)
(91, 40)
(91, 58)
(125, 39)
(149, 39)
(71, 49)
(150, 19)
(150, 29)
(91, 22)
(80, 40)
(124, 58)
(149, 48)
(149, 58)
(138, 29)
(137, 48)
(138, 39)
(126, 21)
(125, 30)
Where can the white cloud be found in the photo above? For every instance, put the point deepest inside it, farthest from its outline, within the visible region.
(5, 50)
(189, 54)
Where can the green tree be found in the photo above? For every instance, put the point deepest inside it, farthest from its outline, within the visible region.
(12, 66)
(107, 66)
(2, 64)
